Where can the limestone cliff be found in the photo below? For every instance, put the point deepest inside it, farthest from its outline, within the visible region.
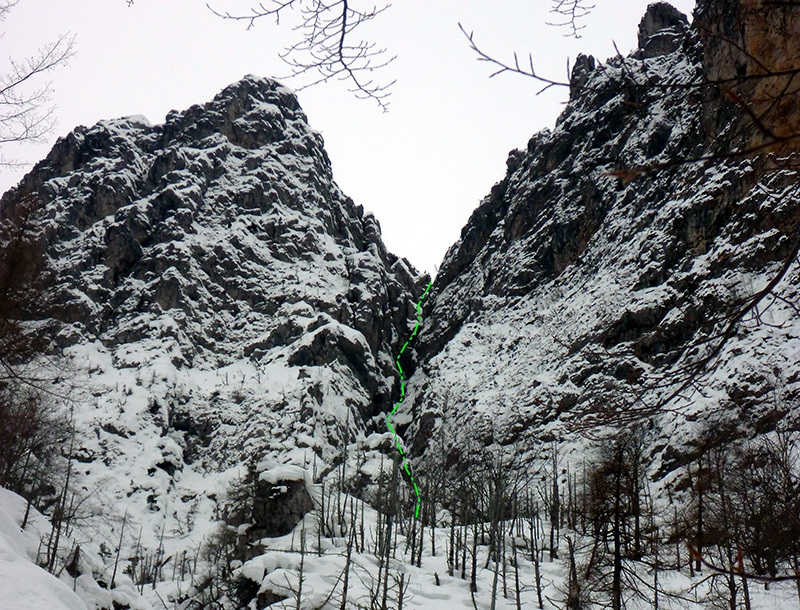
(610, 278)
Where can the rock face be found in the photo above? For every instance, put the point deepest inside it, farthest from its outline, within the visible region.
(203, 217)
(221, 298)
(281, 500)
(751, 47)
(278, 508)
(606, 279)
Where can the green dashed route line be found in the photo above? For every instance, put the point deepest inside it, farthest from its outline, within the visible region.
(406, 466)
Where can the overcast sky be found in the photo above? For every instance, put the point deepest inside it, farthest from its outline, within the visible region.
(421, 167)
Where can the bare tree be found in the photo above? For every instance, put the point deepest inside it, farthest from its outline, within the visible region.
(32, 430)
(22, 281)
(33, 424)
(25, 111)
(616, 487)
(750, 512)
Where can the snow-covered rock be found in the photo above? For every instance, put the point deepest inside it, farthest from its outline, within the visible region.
(231, 320)
(598, 280)
(219, 302)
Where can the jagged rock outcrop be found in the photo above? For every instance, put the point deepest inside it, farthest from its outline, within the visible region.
(218, 297)
(661, 31)
(604, 279)
(202, 216)
(281, 500)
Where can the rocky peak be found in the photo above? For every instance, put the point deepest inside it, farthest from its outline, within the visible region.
(584, 64)
(661, 30)
(219, 239)
(251, 113)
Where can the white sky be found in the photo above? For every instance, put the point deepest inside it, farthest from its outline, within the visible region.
(421, 168)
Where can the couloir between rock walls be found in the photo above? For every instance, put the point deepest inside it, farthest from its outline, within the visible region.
(219, 312)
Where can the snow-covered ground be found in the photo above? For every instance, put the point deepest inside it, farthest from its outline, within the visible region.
(26, 586)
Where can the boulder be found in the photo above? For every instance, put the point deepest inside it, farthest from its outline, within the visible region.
(281, 501)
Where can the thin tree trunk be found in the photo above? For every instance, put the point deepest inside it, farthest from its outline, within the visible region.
(745, 587)
(463, 533)
(401, 591)
(583, 498)
(746, 592)
(537, 574)
(302, 567)
(451, 552)
(494, 583)
(321, 520)
(421, 542)
(516, 579)
(411, 541)
(573, 586)
(637, 509)
(533, 525)
(697, 564)
(432, 514)
(346, 583)
(503, 559)
(388, 545)
(797, 575)
(616, 582)
(361, 529)
(655, 572)
(555, 508)
(677, 543)
(473, 584)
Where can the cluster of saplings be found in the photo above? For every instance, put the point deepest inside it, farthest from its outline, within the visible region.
(32, 434)
(729, 522)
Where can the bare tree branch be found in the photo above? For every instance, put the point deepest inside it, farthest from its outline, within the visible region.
(737, 569)
(571, 11)
(516, 68)
(25, 115)
(324, 50)
(5, 7)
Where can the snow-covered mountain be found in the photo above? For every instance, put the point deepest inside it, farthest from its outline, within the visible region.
(606, 279)
(212, 260)
(224, 323)
(217, 300)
